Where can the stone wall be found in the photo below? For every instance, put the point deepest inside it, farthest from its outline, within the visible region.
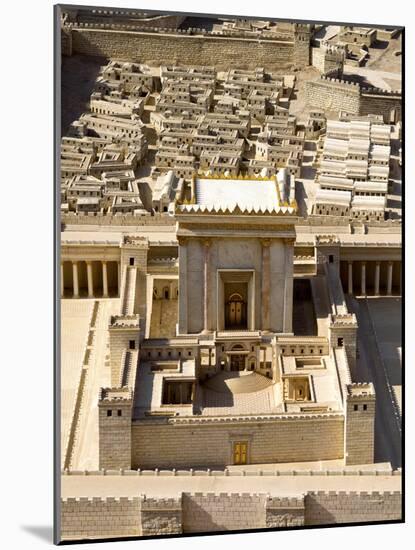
(83, 518)
(166, 444)
(333, 95)
(382, 103)
(340, 507)
(204, 512)
(161, 516)
(284, 512)
(118, 219)
(166, 48)
(245, 254)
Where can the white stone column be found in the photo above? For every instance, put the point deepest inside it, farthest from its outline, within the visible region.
(266, 284)
(389, 279)
(183, 286)
(75, 279)
(363, 281)
(62, 281)
(119, 278)
(171, 290)
(90, 279)
(377, 278)
(206, 268)
(350, 277)
(104, 279)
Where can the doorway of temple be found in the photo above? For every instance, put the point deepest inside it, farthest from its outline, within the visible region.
(236, 312)
(240, 452)
(238, 362)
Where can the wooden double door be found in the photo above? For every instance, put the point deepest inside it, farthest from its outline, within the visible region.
(236, 312)
(240, 452)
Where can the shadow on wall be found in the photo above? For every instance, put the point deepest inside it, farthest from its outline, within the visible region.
(315, 513)
(78, 79)
(197, 520)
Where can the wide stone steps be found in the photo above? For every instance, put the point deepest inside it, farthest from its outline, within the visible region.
(230, 382)
(128, 295)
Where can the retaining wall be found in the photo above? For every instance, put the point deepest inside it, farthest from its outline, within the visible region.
(89, 518)
(209, 444)
(341, 507)
(183, 49)
(334, 94)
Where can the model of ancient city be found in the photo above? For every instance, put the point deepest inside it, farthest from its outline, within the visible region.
(230, 274)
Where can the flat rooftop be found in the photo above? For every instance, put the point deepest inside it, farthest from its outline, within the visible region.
(231, 193)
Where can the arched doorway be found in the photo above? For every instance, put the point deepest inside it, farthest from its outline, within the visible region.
(235, 317)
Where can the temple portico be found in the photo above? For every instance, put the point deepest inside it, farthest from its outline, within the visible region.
(89, 278)
(377, 277)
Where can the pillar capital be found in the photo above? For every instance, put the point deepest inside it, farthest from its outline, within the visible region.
(266, 243)
(183, 241)
(289, 241)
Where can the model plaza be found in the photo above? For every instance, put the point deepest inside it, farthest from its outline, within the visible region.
(229, 258)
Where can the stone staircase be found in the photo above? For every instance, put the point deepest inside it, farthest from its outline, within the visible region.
(128, 291)
(238, 382)
(321, 303)
(128, 367)
(336, 290)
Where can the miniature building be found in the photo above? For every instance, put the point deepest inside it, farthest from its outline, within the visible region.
(216, 238)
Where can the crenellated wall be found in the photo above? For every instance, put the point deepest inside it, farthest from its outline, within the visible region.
(89, 518)
(326, 508)
(160, 46)
(169, 444)
(335, 94)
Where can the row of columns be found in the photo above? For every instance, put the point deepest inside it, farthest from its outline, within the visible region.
(363, 278)
(90, 278)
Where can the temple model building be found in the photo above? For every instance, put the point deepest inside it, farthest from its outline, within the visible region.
(231, 236)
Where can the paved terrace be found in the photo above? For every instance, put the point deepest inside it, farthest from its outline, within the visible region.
(77, 337)
(379, 345)
(75, 316)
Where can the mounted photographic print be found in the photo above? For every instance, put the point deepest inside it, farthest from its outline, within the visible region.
(228, 273)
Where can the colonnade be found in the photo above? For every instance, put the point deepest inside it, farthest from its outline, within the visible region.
(92, 289)
(359, 270)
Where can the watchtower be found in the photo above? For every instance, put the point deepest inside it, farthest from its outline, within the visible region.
(360, 424)
(114, 413)
(301, 57)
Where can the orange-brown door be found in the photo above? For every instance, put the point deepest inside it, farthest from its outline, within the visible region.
(240, 452)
